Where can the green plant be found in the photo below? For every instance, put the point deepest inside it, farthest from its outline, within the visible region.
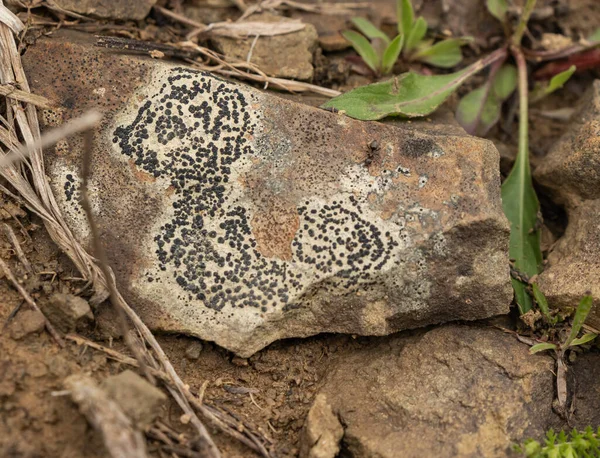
(380, 53)
(585, 444)
(415, 95)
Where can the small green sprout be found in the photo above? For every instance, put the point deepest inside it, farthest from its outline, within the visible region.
(572, 445)
(380, 52)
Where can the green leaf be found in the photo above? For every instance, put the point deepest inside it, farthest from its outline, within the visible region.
(584, 339)
(416, 34)
(594, 36)
(405, 16)
(390, 56)
(363, 48)
(478, 111)
(521, 207)
(581, 313)
(368, 29)
(559, 80)
(505, 81)
(498, 8)
(542, 347)
(443, 54)
(409, 94)
(542, 303)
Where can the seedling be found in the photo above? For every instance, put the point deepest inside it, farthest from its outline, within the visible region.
(572, 445)
(380, 52)
(415, 95)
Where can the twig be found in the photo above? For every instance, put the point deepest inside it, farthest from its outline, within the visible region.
(120, 439)
(17, 246)
(31, 302)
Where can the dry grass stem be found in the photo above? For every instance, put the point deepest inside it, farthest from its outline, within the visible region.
(120, 438)
(10, 235)
(17, 94)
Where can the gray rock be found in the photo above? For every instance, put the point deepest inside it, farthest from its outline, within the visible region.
(192, 352)
(285, 56)
(27, 322)
(139, 400)
(242, 218)
(67, 311)
(322, 432)
(571, 173)
(109, 9)
(454, 391)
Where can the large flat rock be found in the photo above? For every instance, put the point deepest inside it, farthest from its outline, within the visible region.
(242, 218)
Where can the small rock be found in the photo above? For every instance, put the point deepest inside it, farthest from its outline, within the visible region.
(285, 56)
(140, 400)
(192, 352)
(322, 431)
(240, 362)
(27, 322)
(109, 9)
(455, 391)
(571, 174)
(67, 311)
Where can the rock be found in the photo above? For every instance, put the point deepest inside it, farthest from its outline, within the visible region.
(328, 28)
(285, 56)
(322, 432)
(109, 9)
(27, 322)
(241, 218)
(139, 400)
(571, 174)
(454, 391)
(67, 311)
(192, 352)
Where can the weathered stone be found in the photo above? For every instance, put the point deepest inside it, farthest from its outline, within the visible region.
(193, 350)
(27, 322)
(109, 9)
(139, 400)
(571, 173)
(66, 311)
(242, 218)
(285, 56)
(322, 432)
(454, 391)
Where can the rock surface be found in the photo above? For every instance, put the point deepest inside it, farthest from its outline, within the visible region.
(109, 9)
(322, 432)
(67, 311)
(285, 56)
(454, 391)
(138, 399)
(27, 322)
(571, 172)
(238, 217)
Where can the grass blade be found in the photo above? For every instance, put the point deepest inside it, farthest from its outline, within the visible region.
(368, 29)
(542, 303)
(542, 347)
(584, 339)
(443, 54)
(520, 202)
(416, 34)
(390, 56)
(364, 49)
(583, 309)
(405, 15)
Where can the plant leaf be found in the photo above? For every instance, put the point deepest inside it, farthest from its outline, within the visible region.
(417, 33)
(505, 81)
(405, 16)
(584, 339)
(368, 29)
(559, 80)
(542, 303)
(541, 347)
(521, 206)
(363, 48)
(390, 56)
(478, 111)
(409, 94)
(581, 314)
(443, 54)
(497, 8)
(594, 36)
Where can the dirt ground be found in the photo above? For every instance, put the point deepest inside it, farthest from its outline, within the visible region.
(272, 390)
